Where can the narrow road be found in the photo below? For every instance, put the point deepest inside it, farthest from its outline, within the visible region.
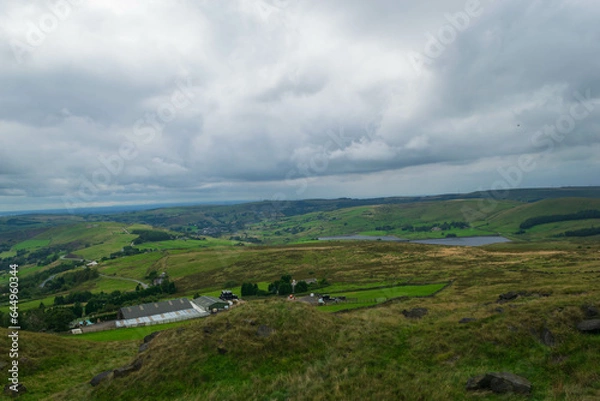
(48, 279)
(144, 285)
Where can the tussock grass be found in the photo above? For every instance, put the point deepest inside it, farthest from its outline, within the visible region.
(365, 354)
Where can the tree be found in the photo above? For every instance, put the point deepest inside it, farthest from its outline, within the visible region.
(285, 288)
(249, 289)
(301, 286)
(77, 309)
(274, 287)
(59, 319)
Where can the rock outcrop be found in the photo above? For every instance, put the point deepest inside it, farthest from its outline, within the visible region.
(415, 313)
(589, 326)
(500, 382)
(128, 369)
(100, 378)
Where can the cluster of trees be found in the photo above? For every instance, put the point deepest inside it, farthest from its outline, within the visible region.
(73, 298)
(581, 215)
(461, 225)
(70, 280)
(282, 286)
(151, 236)
(250, 289)
(29, 286)
(584, 232)
(127, 251)
(252, 240)
(45, 319)
(41, 257)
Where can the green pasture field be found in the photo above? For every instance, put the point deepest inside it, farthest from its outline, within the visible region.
(31, 304)
(370, 297)
(185, 244)
(106, 284)
(127, 334)
(8, 254)
(135, 266)
(364, 219)
(31, 244)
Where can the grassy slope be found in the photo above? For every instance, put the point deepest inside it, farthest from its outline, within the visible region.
(385, 355)
(365, 354)
(508, 221)
(378, 354)
(49, 364)
(502, 217)
(103, 238)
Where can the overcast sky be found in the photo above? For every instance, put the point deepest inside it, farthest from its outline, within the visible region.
(121, 102)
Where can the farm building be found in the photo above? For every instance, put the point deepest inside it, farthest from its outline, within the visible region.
(209, 303)
(159, 312)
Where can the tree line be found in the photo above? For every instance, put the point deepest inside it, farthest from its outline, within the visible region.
(283, 286)
(538, 220)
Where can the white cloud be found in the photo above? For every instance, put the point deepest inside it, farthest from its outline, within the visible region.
(295, 98)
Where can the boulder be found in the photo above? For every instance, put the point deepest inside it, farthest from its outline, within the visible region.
(100, 378)
(151, 337)
(415, 313)
(590, 311)
(505, 382)
(126, 370)
(21, 389)
(481, 382)
(500, 382)
(509, 296)
(467, 320)
(589, 326)
(264, 331)
(143, 347)
(547, 337)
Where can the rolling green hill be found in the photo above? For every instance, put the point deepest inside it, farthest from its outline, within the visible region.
(310, 353)
(306, 353)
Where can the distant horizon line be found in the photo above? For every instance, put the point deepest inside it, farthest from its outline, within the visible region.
(159, 205)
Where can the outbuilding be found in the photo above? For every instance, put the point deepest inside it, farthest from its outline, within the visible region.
(209, 303)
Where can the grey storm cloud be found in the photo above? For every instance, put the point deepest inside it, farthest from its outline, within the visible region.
(106, 102)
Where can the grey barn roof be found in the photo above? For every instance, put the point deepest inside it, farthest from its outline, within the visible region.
(206, 302)
(155, 308)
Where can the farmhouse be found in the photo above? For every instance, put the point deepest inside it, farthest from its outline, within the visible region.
(159, 312)
(209, 303)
